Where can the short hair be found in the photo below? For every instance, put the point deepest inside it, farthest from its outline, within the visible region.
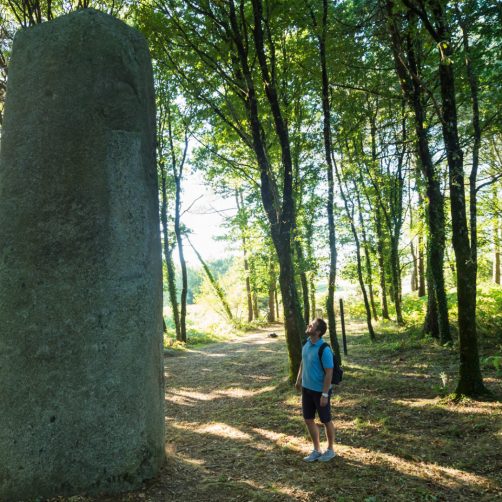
(321, 326)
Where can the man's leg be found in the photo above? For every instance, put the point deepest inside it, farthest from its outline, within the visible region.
(330, 434)
(314, 433)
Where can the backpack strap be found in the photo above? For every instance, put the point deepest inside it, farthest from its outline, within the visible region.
(321, 350)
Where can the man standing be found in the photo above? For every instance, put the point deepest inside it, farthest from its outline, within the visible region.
(315, 385)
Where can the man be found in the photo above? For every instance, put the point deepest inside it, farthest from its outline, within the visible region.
(315, 385)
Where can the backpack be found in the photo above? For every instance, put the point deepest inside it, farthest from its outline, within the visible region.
(337, 370)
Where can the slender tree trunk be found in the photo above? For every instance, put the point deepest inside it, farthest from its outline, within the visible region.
(181, 254)
(277, 304)
(178, 175)
(272, 280)
(281, 219)
(328, 151)
(413, 92)
(470, 381)
(350, 216)
(381, 265)
(254, 293)
(303, 281)
(421, 275)
(431, 324)
(242, 225)
(476, 128)
(312, 290)
(396, 277)
(367, 259)
(414, 270)
(171, 280)
(248, 290)
(496, 237)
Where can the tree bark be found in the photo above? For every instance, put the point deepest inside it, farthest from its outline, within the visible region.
(414, 270)
(367, 259)
(242, 221)
(303, 281)
(184, 276)
(431, 324)
(421, 274)
(177, 170)
(413, 92)
(272, 280)
(350, 217)
(381, 265)
(496, 237)
(171, 280)
(328, 152)
(281, 219)
(470, 378)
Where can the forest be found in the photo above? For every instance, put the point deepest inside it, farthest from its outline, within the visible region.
(359, 143)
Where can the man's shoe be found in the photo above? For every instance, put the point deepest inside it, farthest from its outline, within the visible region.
(327, 456)
(314, 455)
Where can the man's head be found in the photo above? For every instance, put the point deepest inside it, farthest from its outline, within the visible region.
(317, 326)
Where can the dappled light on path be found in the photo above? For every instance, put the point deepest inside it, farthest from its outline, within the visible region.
(236, 432)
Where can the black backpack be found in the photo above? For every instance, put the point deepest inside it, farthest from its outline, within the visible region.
(337, 371)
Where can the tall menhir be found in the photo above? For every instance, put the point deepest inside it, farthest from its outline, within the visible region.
(81, 373)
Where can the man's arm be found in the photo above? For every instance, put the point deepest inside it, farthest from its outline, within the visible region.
(328, 373)
(298, 383)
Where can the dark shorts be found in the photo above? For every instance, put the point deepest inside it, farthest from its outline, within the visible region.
(311, 401)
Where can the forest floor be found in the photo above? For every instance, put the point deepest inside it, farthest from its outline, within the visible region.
(234, 429)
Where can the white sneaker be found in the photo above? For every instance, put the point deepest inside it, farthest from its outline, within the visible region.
(327, 456)
(314, 455)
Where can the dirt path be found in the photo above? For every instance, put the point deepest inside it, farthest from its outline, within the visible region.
(234, 432)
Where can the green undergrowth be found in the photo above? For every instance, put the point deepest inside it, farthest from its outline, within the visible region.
(199, 335)
(392, 337)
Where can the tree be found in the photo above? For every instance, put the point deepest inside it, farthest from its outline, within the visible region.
(435, 18)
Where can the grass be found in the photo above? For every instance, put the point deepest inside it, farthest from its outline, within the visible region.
(235, 433)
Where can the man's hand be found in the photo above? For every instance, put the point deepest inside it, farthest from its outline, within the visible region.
(324, 402)
(298, 386)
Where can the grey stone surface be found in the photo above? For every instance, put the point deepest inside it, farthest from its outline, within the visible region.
(81, 373)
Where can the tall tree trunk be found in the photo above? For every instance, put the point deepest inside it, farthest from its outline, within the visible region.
(381, 264)
(242, 225)
(431, 324)
(254, 293)
(248, 290)
(177, 169)
(181, 254)
(414, 270)
(277, 304)
(171, 280)
(328, 152)
(396, 277)
(421, 274)
(470, 379)
(303, 281)
(367, 259)
(476, 129)
(496, 237)
(413, 92)
(272, 280)
(350, 216)
(281, 219)
(312, 289)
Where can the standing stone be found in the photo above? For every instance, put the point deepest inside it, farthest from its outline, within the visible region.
(81, 374)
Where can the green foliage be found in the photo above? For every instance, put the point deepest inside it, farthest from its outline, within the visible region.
(493, 362)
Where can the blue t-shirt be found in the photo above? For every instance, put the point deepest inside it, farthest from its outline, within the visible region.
(312, 372)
